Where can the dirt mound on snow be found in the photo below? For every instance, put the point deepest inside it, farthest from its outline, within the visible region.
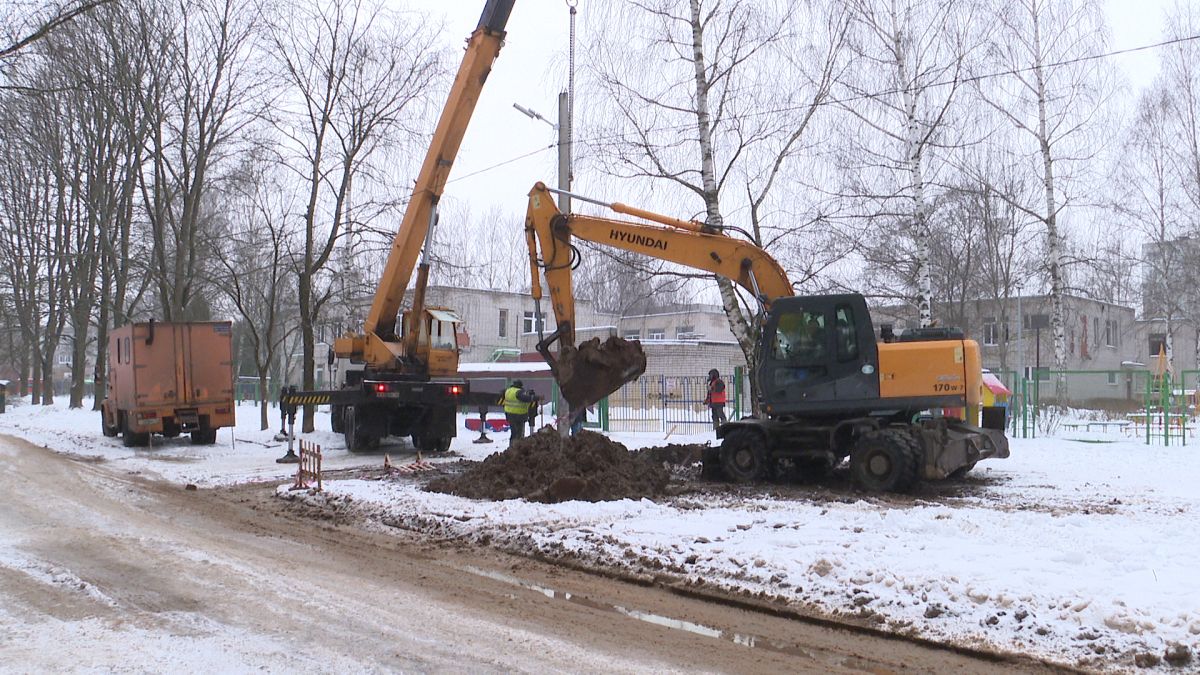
(547, 468)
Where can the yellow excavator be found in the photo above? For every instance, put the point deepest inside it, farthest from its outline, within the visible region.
(828, 389)
(403, 380)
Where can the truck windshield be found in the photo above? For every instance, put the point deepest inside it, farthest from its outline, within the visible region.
(441, 335)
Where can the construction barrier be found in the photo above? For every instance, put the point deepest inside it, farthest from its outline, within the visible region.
(308, 471)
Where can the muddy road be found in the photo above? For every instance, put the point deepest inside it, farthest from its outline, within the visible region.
(105, 570)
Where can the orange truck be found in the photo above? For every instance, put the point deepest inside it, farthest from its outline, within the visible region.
(169, 379)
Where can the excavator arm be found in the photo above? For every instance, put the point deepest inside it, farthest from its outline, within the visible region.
(380, 345)
(591, 371)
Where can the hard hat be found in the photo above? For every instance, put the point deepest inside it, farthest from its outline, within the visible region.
(518, 384)
(713, 373)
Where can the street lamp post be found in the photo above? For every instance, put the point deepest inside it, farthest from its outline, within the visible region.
(564, 147)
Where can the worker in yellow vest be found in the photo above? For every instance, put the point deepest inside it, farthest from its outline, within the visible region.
(517, 401)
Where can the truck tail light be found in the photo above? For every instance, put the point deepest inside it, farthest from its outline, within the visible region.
(381, 387)
(455, 390)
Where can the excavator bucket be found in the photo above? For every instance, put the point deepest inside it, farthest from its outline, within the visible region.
(593, 370)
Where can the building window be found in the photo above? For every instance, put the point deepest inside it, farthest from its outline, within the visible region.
(1158, 343)
(64, 358)
(991, 336)
(1110, 332)
(527, 323)
(1035, 321)
(686, 331)
(1112, 377)
(632, 335)
(1095, 332)
(656, 333)
(503, 332)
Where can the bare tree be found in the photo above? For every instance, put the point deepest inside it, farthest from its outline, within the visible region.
(902, 97)
(710, 116)
(1055, 102)
(255, 259)
(23, 31)
(362, 81)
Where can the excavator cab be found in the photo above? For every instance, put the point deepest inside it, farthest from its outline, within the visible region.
(818, 353)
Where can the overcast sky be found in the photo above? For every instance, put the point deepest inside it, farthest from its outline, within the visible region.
(531, 71)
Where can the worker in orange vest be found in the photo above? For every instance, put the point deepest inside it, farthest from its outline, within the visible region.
(715, 399)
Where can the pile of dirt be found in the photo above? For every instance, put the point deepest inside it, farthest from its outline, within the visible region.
(675, 454)
(548, 468)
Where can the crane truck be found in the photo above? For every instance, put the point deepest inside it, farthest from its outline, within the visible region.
(829, 391)
(400, 378)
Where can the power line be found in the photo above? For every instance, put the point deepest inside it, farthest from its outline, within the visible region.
(504, 163)
(863, 97)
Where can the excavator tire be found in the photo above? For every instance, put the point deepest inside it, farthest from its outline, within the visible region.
(745, 457)
(886, 460)
(593, 370)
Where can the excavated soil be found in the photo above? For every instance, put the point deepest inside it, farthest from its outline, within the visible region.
(548, 468)
(595, 369)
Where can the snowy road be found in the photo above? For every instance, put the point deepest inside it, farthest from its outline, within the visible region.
(100, 569)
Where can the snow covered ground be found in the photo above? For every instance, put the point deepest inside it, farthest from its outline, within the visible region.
(1080, 552)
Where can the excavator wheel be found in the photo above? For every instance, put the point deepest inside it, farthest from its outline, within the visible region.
(744, 456)
(887, 460)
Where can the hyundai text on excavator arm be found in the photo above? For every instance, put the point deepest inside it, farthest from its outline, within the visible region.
(829, 390)
(405, 382)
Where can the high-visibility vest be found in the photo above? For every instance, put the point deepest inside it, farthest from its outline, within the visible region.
(514, 405)
(714, 396)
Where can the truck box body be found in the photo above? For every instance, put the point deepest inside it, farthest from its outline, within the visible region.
(170, 378)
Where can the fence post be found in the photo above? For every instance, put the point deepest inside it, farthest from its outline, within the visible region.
(738, 372)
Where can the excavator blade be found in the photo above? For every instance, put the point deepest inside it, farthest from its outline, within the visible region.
(593, 370)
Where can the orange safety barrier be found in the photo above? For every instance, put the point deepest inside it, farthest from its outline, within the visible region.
(309, 468)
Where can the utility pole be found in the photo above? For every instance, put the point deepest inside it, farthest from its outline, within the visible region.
(564, 153)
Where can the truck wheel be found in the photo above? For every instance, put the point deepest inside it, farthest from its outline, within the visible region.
(204, 436)
(356, 441)
(431, 443)
(105, 428)
(337, 420)
(131, 438)
(887, 460)
(744, 456)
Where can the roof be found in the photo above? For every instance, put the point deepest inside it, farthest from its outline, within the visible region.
(994, 384)
(504, 367)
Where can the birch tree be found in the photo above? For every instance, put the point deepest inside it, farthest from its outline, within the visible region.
(1054, 99)
(718, 117)
(903, 99)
